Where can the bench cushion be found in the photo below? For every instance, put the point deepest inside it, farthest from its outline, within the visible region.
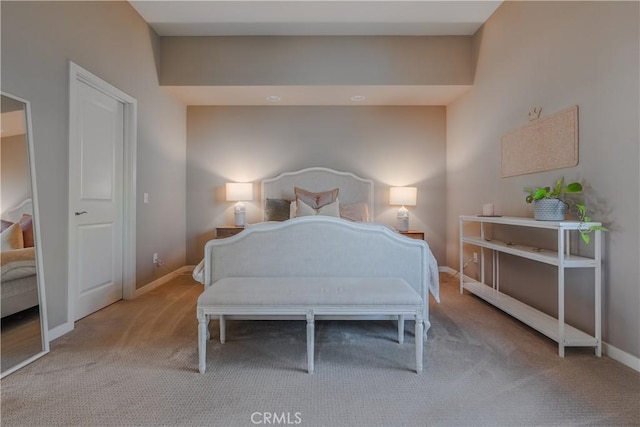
(311, 291)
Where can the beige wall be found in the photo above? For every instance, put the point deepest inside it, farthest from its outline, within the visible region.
(111, 40)
(14, 167)
(316, 61)
(554, 55)
(391, 145)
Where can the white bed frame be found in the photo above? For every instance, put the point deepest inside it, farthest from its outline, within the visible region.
(27, 297)
(353, 189)
(14, 214)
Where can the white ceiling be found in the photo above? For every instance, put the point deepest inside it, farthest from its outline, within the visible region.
(319, 18)
(314, 17)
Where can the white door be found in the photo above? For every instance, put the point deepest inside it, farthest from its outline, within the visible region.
(96, 200)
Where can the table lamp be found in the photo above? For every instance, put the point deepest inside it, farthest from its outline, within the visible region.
(239, 192)
(404, 196)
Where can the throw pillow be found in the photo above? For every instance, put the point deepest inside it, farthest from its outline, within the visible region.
(5, 224)
(11, 238)
(26, 223)
(357, 212)
(277, 209)
(316, 200)
(332, 209)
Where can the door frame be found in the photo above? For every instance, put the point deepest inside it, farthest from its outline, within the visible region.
(78, 74)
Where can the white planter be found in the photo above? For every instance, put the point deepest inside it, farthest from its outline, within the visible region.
(549, 210)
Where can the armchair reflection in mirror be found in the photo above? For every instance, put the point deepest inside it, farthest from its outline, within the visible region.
(23, 323)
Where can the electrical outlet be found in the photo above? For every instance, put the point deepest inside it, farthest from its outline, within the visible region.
(155, 258)
(475, 257)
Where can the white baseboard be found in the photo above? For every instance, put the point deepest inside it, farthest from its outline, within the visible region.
(186, 269)
(621, 356)
(162, 280)
(446, 269)
(59, 331)
(610, 351)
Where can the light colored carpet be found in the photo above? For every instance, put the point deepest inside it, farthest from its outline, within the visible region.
(135, 363)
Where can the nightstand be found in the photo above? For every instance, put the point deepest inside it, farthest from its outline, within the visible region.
(414, 234)
(228, 231)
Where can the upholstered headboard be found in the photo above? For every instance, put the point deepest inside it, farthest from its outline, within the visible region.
(14, 214)
(352, 188)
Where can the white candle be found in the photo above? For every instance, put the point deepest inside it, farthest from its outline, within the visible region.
(487, 209)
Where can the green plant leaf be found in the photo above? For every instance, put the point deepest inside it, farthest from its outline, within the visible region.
(598, 227)
(574, 187)
(541, 193)
(557, 188)
(585, 237)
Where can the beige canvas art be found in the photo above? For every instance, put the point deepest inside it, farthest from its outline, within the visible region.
(545, 144)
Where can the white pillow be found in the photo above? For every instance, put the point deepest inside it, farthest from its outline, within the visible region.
(332, 209)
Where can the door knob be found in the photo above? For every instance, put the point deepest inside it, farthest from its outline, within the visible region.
(81, 213)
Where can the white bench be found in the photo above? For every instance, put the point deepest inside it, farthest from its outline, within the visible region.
(317, 268)
(309, 296)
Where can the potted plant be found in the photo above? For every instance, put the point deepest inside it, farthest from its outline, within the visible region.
(550, 204)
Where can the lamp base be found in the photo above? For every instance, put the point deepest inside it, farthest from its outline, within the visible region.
(402, 219)
(239, 215)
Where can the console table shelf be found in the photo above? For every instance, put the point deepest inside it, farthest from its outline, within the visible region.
(562, 258)
(542, 255)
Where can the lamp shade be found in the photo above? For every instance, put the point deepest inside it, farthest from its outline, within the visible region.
(238, 191)
(405, 196)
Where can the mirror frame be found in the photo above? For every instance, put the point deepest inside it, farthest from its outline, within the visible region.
(44, 326)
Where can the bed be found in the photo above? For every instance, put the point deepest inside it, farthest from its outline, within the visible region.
(354, 200)
(18, 274)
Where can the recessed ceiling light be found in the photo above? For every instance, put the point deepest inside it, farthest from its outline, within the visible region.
(358, 98)
(273, 98)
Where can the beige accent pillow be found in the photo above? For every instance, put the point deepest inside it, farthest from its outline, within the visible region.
(316, 200)
(357, 212)
(332, 209)
(11, 238)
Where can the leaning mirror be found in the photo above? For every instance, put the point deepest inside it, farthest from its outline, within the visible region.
(23, 323)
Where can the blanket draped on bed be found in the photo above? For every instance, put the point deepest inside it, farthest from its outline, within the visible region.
(17, 263)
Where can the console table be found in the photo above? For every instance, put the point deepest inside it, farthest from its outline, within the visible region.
(554, 328)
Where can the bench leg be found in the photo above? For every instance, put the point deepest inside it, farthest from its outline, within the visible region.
(401, 329)
(419, 342)
(202, 343)
(310, 341)
(223, 330)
